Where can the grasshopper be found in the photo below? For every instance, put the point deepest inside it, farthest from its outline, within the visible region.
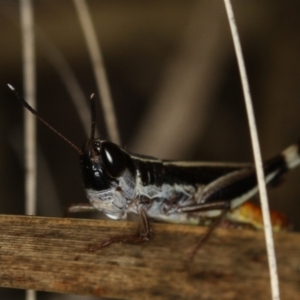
(120, 183)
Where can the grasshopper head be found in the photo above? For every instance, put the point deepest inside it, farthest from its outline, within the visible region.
(108, 175)
(102, 164)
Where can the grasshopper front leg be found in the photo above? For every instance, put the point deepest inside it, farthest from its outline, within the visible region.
(143, 235)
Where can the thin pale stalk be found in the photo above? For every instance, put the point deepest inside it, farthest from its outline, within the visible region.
(27, 26)
(67, 76)
(257, 155)
(99, 69)
(177, 109)
(60, 64)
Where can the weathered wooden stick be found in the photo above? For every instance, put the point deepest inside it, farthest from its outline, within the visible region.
(51, 254)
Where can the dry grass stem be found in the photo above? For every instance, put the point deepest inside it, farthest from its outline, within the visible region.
(99, 69)
(178, 114)
(67, 76)
(257, 155)
(27, 27)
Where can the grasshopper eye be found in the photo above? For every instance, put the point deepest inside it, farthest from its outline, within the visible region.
(114, 159)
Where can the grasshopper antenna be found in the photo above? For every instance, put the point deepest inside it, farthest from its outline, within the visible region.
(34, 112)
(93, 117)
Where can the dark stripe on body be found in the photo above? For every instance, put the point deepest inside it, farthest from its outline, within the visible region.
(194, 175)
(151, 172)
(276, 163)
(155, 172)
(237, 187)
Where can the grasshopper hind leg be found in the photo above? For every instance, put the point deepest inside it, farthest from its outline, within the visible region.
(224, 206)
(208, 233)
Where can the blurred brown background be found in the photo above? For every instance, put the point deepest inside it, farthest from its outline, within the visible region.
(175, 85)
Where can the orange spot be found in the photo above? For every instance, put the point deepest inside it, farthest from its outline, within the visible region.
(252, 214)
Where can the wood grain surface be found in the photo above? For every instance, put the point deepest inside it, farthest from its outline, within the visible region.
(53, 254)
